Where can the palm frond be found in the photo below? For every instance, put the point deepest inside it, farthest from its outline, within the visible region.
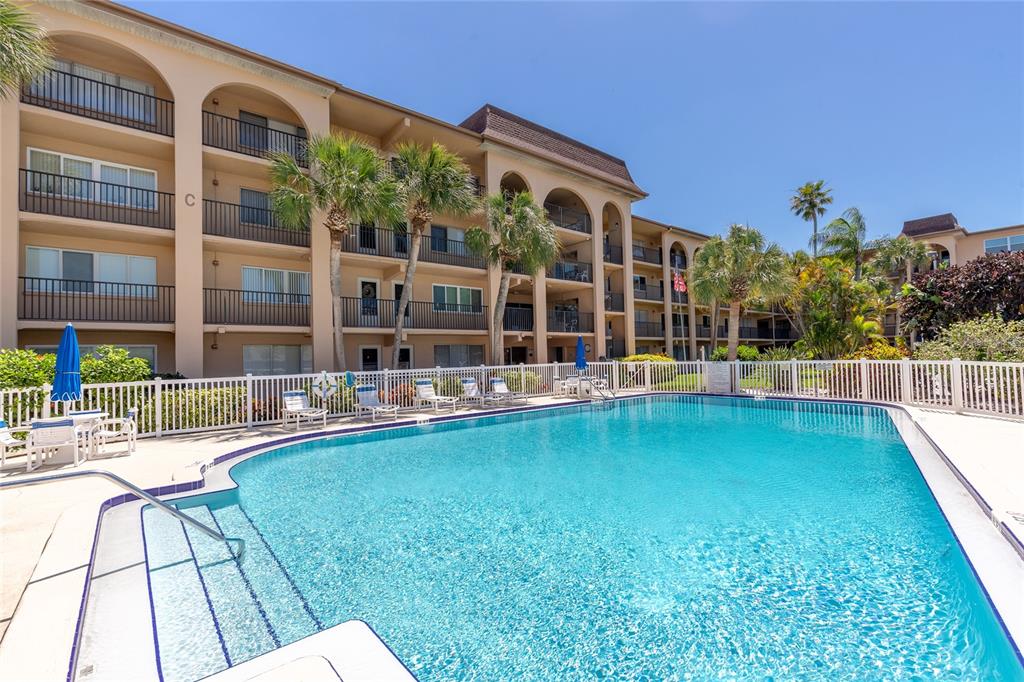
(25, 51)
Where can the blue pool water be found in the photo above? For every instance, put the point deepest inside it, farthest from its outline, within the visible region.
(662, 538)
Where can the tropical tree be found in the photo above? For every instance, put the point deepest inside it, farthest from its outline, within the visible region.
(809, 203)
(845, 238)
(350, 184)
(433, 181)
(517, 232)
(24, 50)
(898, 255)
(736, 271)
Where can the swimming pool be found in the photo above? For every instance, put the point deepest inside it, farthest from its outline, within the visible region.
(665, 537)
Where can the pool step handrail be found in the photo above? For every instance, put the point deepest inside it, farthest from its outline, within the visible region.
(237, 545)
(597, 394)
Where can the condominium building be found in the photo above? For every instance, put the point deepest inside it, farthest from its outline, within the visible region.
(133, 203)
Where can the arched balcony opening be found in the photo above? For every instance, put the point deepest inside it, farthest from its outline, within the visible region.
(513, 183)
(567, 210)
(251, 121)
(611, 233)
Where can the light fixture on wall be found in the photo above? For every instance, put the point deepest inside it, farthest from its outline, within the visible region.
(216, 182)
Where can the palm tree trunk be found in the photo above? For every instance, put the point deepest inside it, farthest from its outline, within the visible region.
(336, 301)
(734, 328)
(814, 238)
(713, 332)
(403, 302)
(498, 324)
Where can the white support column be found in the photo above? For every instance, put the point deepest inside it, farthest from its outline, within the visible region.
(188, 235)
(597, 241)
(10, 253)
(540, 317)
(666, 290)
(627, 284)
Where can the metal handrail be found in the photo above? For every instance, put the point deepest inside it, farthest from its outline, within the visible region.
(131, 487)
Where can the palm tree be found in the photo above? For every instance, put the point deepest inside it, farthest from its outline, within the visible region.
(433, 180)
(809, 203)
(351, 184)
(899, 255)
(737, 270)
(24, 50)
(844, 238)
(517, 233)
(861, 331)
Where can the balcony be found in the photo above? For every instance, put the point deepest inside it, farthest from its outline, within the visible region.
(613, 254)
(65, 92)
(649, 329)
(376, 241)
(254, 224)
(679, 297)
(381, 314)
(568, 218)
(251, 139)
(614, 302)
(646, 254)
(678, 331)
(518, 320)
(570, 321)
(260, 308)
(676, 262)
(649, 294)
(703, 331)
(615, 348)
(748, 333)
(74, 300)
(571, 271)
(63, 195)
(889, 330)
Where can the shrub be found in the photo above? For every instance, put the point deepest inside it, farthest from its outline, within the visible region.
(449, 386)
(986, 338)
(647, 357)
(992, 284)
(780, 354)
(743, 352)
(879, 349)
(184, 408)
(680, 382)
(24, 368)
(110, 364)
(403, 395)
(525, 382)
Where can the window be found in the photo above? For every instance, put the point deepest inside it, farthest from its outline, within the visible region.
(1005, 244)
(404, 357)
(448, 239)
(449, 298)
(265, 134)
(101, 273)
(81, 178)
(269, 285)
(639, 283)
(91, 93)
(277, 359)
(147, 353)
(458, 355)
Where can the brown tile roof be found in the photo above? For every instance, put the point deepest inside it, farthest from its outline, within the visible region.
(502, 126)
(935, 223)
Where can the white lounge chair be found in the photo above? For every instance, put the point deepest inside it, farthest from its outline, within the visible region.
(8, 441)
(500, 391)
(296, 406)
(425, 393)
(126, 427)
(47, 436)
(471, 392)
(368, 401)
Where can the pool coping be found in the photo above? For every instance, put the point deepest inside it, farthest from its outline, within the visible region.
(213, 479)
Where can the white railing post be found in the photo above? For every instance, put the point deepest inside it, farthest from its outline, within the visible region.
(46, 400)
(522, 377)
(647, 375)
(957, 376)
(248, 402)
(158, 406)
(735, 376)
(906, 391)
(794, 378)
(614, 375)
(863, 378)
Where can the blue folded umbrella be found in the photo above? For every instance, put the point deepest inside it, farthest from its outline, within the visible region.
(67, 380)
(581, 354)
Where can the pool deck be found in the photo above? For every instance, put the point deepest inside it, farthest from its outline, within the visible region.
(987, 452)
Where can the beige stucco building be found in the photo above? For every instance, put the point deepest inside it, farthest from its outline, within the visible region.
(133, 182)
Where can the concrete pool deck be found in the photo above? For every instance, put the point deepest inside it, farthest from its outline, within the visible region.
(988, 452)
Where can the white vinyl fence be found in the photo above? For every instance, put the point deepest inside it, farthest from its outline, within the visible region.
(190, 405)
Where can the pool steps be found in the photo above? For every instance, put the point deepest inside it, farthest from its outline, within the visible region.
(236, 610)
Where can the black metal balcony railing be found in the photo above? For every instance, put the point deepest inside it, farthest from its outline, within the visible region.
(649, 294)
(62, 91)
(678, 331)
(889, 330)
(646, 254)
(615, 348)
(679, 297)
(63, 195)
(573, 271)
(518, 320)
(649, 329)
(747, 333)
(376, 241)
(381, 314)
(236, 306)
(569, 218)
(677, 262)
(243, 222)
(703, 331)
(518, 269)
(615, 302)
(76, 300)
(570, 321)
(612, 254)
(250, 139)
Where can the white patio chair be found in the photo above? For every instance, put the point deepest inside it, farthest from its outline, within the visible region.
(47, 436)
(500, 391)
(425, 393)
(368, 401)
(297, 407)
(8, 442)
(471, 392)
(106, 429)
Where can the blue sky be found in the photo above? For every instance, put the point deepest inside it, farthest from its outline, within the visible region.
(720, 110)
